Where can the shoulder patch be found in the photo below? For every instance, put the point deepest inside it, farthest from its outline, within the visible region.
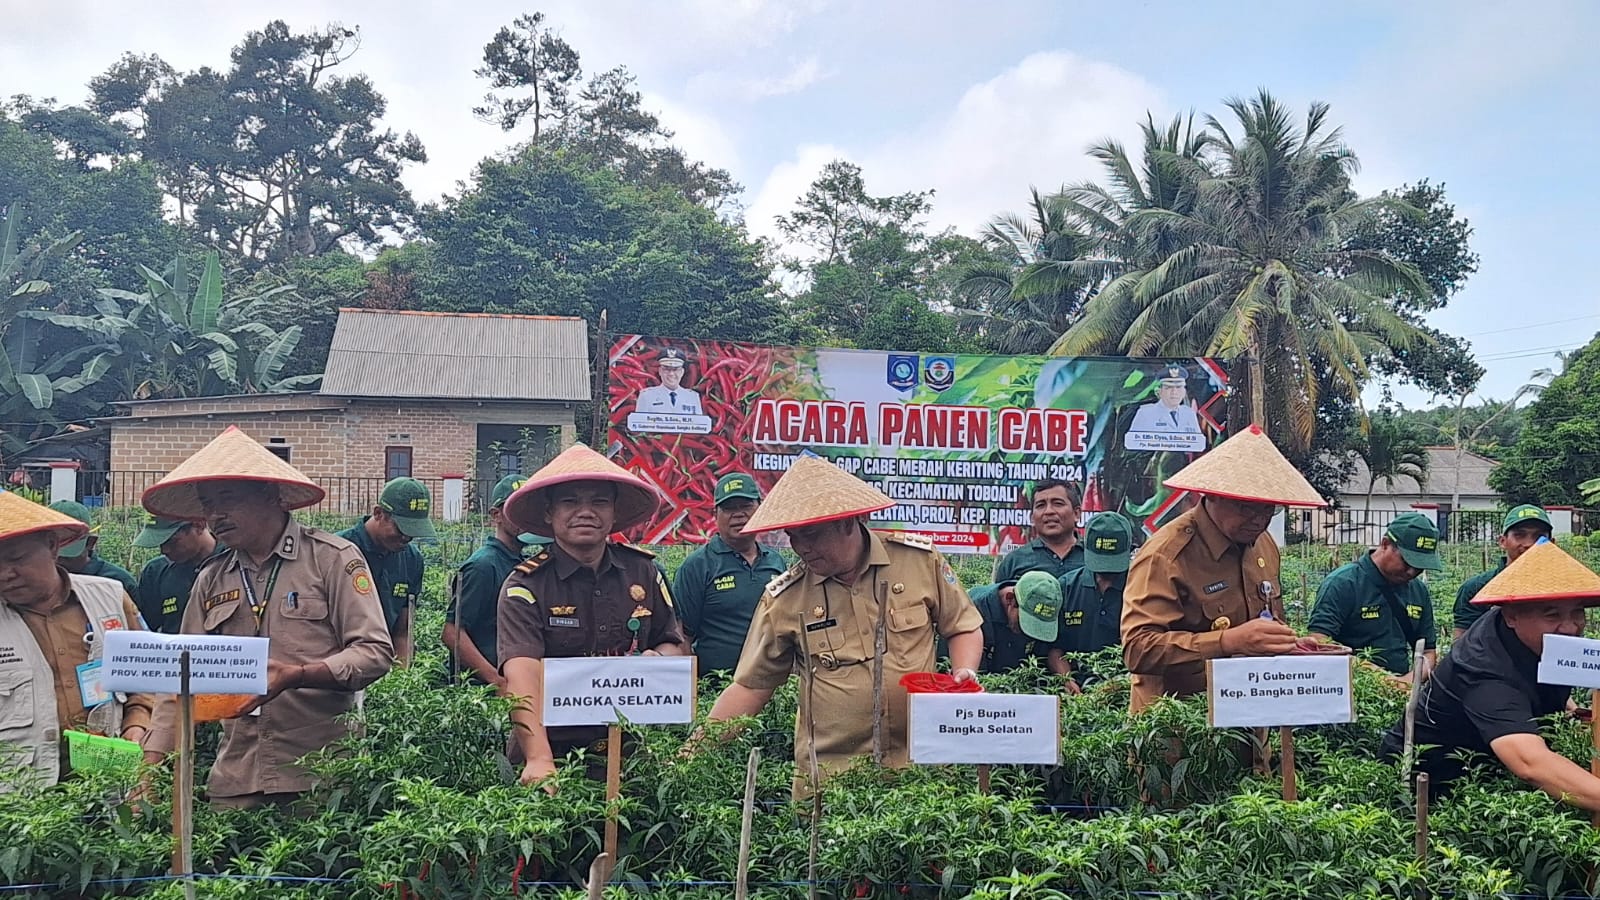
(532, 564)
(910, 539)
(777, 585)
(635, 548)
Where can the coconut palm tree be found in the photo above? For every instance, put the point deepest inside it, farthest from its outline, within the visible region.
(1255, 266)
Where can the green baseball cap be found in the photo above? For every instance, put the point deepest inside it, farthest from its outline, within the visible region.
(1524, 513)
(504, 488)
(1107, 544)
(1039, 605)
(1417, 539)
(408, 501)
(156, 531)
(80, 512)
(736, 486)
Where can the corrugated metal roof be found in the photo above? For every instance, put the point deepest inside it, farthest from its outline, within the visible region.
(467, 356)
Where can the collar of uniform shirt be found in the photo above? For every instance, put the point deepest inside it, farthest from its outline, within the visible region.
(287, 546)
(1217, 543)
(877, 555)
(566, 565)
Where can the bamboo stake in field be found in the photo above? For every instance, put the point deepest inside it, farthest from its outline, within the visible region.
(613, 792)
(741, 884)
(814, 771)
(183, 799)
(1418, 660)
(1422, 827)
(598, 874)
(1286, 762)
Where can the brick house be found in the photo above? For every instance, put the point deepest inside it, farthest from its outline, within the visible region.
(403, 393)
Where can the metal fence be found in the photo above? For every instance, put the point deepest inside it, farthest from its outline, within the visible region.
(345, 496)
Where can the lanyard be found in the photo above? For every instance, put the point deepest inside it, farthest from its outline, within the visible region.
(258, 605)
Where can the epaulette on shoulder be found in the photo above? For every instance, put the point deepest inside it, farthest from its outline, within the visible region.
(910, 539)
(778, 584)
(312, 533)
(532, 563)
(636, 549)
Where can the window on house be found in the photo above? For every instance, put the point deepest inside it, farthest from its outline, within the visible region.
(280, 448)
(396, 462)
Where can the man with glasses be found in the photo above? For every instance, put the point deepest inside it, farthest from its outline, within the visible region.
(1379, 603)
(1206, 585)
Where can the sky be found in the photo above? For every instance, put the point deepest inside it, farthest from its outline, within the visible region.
(980, 102)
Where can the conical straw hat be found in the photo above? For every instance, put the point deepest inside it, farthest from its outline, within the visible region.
(231, 456)
(1543, 572)
(1247, 467)
(815, 490)
(527, 505)
(20, 516)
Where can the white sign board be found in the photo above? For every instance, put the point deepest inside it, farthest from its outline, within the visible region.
(1570, 661)
(218, 664)
(1263, 691)
(596, 690)
(955, 729)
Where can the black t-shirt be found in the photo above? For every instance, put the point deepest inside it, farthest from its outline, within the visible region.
(1486, 688)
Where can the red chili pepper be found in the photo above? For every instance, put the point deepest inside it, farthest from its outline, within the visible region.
(516, 877)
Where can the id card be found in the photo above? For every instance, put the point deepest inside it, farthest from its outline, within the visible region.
(89, 689)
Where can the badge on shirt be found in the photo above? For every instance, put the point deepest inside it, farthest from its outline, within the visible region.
(636, 592)
(1215, 586)
(1221, 623)
(725, 583)
(564, 622)
(216, 600)
(818, 626)
(558, 610)
(362, 582)
(401, 589)
(169, 606)
(639, 612)
(89, 688)
(114, 623)
(521, 593)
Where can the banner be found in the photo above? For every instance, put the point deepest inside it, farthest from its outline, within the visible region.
(956, 441)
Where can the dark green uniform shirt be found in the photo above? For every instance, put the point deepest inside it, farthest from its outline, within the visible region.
(717, 592)
(1465, 613)
(398, 575)
(1090, 620)
(103, 569)
(1034, 556)
(163, 591)
(475, 594)
(1352, 609)
(1003, 649)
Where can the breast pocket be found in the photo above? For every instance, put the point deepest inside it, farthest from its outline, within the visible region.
(16, 699)
(218, 614)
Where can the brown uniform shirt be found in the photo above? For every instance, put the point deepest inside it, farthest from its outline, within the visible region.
(554, 607)
(321, 608)
(59, 634)
(840, 623)
(1186, 585)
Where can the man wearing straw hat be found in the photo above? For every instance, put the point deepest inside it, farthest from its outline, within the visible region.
(306, 590)
(855, 614)
(52, 629)
(582, 596)
(1206, 585)
(1485, 699)
(1523, 526)
(469, 634)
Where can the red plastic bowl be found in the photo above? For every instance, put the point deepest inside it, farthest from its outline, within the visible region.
(937, 683)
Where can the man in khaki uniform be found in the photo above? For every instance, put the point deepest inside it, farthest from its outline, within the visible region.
(857, 612)
(307, 590)
(1206, 585)
(52, 634)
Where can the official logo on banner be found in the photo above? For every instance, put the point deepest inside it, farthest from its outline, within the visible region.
(939, 372)
(902, 374)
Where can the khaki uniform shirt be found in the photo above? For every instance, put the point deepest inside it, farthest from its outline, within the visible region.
(59, 634)
(321, 608)
(1186, 585)
(924, 599)
(554, 607)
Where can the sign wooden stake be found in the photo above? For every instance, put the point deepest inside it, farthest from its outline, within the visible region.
(1422, 827)
(1286, 763)
(183, 799)
(613, 791)
(1263, 753)
(598, 873)
(983, 778)
(814, 770)
(741, 884)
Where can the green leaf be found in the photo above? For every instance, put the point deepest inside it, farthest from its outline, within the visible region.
(207, 296)
(34, 288)
(272, 358)
(37, 389)
(93, 371)
(224, 365)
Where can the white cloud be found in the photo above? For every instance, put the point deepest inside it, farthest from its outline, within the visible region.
(1027, 126)
(723, 85)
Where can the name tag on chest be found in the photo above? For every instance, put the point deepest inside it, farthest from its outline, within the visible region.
(564, 622)
(825, 623)
(1215, 586)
